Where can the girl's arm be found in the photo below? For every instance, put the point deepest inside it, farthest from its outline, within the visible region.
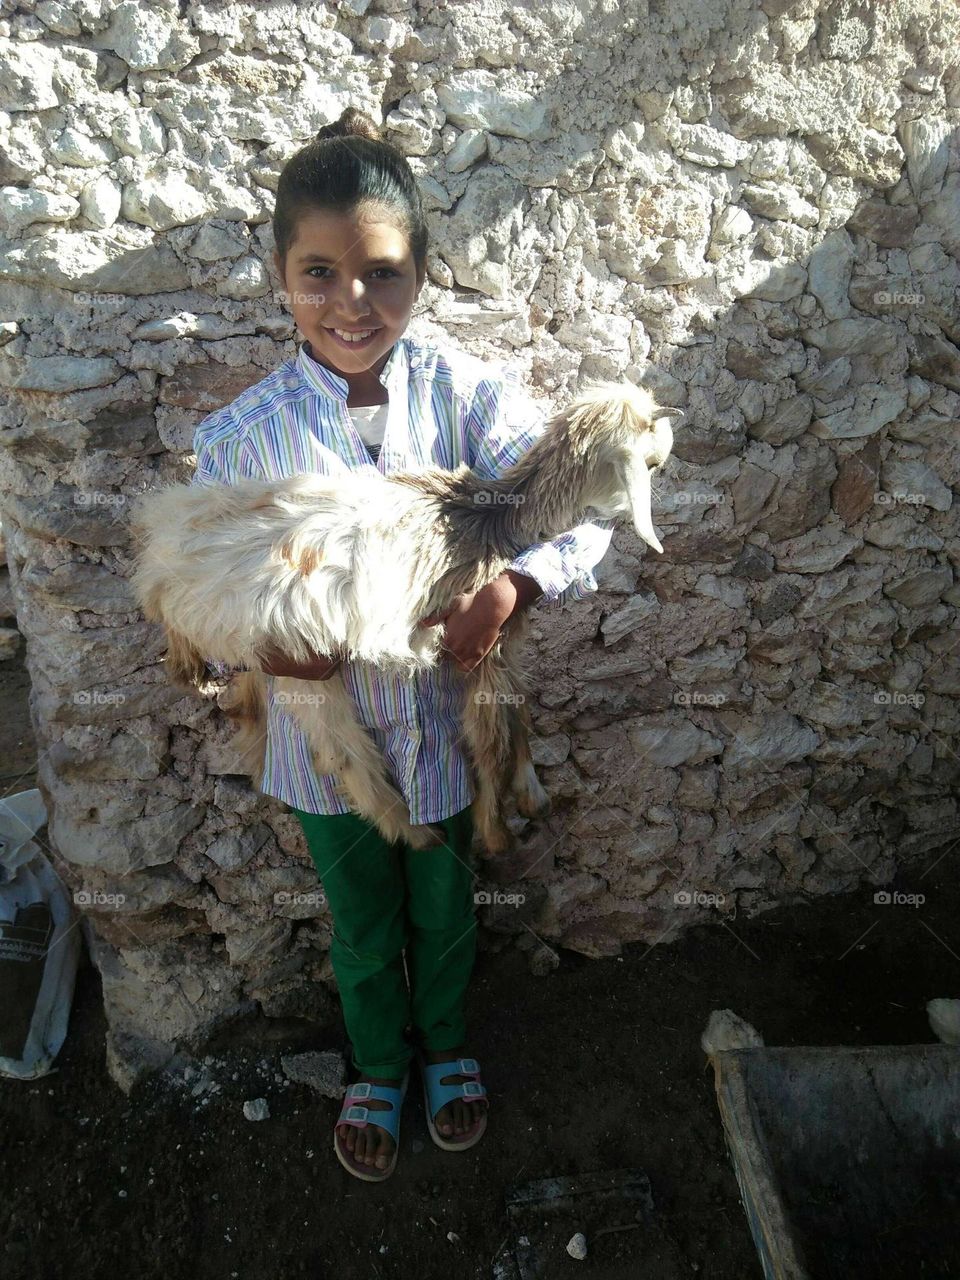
(319, 667)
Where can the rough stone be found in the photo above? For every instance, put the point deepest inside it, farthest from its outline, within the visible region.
(164, 200)
(19, 209)
(815, 552)
(324, 1073)
(854, 491)
(805, 497)
(889, 226)
(57, 373)
(912, 481)
(790, 419)
(207, 386)
(770, 744)
(918, 589)
(488, 101)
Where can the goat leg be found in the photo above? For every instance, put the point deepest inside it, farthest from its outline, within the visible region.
(341, 746)
(246, 703)
(532, 800)
(487, 735)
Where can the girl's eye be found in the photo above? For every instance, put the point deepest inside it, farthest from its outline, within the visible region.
(388, 271)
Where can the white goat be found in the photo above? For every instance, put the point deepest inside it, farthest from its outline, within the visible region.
(348, 565)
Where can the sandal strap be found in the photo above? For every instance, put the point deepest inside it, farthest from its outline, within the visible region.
(456, 1067)
(353, 1111)
(440, 1094)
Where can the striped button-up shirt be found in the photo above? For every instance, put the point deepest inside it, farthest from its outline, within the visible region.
(444, 408)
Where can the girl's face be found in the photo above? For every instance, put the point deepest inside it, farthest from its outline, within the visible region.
(353, 273)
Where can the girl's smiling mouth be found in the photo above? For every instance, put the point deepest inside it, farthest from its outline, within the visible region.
(355, 340)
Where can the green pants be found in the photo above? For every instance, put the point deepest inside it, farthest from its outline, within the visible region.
(386, 899)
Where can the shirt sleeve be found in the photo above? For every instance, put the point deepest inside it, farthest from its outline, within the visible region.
(504, 423)
(223, 457)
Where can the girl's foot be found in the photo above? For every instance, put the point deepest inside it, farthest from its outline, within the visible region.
(373, 1145)
(457, 1116)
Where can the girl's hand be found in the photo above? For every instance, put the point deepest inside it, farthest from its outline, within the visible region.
(318, 667)
(474, 619)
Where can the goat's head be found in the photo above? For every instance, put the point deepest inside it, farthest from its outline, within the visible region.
(627, 437)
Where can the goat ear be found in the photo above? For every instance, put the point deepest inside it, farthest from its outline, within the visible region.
(641, 505)
(185, 664)
(659, 440)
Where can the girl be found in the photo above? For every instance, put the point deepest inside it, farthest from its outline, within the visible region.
(351, 243)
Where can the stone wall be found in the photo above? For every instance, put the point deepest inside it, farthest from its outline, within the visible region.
(753, 208)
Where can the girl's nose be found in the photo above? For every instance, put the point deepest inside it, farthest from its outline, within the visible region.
(353, 299)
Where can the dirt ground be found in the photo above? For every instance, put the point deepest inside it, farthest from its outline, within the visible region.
(594, 1067)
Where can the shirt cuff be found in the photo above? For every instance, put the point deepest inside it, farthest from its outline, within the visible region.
(553, 572)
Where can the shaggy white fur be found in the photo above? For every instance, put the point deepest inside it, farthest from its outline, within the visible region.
(348, 565)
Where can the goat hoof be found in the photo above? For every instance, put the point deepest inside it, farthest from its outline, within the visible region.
(532, 806)
(532, 800)
(499, 842)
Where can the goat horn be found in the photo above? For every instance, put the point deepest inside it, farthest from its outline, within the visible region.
(642, 511)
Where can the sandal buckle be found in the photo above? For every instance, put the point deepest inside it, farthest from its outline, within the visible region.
(355, 1115)
(468, 1067)
(471, 1089)
(361, 1090)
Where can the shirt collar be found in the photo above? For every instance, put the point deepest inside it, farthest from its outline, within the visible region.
(328, 383)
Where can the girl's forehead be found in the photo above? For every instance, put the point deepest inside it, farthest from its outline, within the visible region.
(367, 228)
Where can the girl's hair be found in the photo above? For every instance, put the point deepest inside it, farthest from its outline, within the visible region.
(346, 163)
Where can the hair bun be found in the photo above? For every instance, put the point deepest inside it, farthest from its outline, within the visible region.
(352, 124)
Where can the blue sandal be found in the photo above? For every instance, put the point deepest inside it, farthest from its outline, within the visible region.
(355, 1113)
(436, 1095)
